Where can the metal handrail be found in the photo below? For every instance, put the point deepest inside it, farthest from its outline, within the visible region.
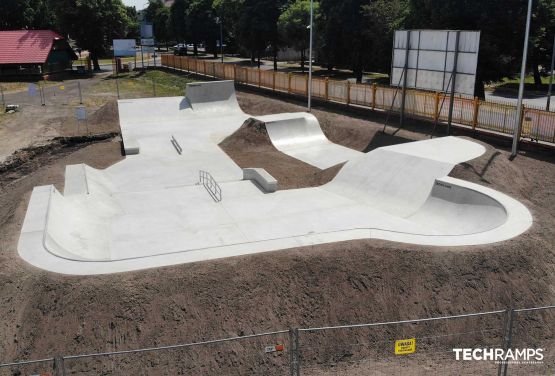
(176, 145)
(213, 188)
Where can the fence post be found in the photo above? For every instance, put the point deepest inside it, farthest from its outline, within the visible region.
(436, 107)
(507, 338)
(521, 122)
(259, 76)
(374, 91)
(59, 367)
(306, 85)
(348, 92)
(274, 80)
(327, 89)
(476, 109)
(289, 83)
(235, 73)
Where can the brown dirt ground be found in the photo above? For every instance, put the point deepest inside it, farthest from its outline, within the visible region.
(44, 314)
(250, 146)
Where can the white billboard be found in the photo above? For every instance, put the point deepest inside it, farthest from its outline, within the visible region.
(146, 30)
(431, 56)
(124, 47)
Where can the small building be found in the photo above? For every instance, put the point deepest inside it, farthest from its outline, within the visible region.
(34, 52)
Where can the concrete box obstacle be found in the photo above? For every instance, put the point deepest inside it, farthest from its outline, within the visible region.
(262, 178)
(148, 210)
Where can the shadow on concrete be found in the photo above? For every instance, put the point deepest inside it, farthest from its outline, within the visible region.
(384, 139)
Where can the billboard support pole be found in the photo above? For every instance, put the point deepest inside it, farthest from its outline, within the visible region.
(453, 83)
(518, 116)
(549, 91)
(405, 70)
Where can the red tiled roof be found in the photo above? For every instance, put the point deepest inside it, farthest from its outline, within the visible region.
(26, 46)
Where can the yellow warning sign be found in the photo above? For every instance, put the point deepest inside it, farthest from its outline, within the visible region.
(405, 346)
(62, 87)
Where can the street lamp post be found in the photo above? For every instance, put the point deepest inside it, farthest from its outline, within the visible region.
(310, 56)
(220, 21)
(518, 118)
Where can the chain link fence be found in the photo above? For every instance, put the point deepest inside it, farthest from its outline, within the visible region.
(417, 347)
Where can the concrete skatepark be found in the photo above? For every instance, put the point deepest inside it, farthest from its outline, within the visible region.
(150, 210)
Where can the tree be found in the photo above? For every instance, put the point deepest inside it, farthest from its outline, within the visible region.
(201, 21)
(292, 26)
(382, 18)
(26, 14)
(228, 11)
(257, 26)
(178, 19)
(159, 15)
(343, 42)
(93, 24)
(541, 37)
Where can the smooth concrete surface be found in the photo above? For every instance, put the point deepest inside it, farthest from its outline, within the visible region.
(148, 210)
(300, 135)
(262, 178)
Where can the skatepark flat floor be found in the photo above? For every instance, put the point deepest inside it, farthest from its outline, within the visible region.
(150, 210)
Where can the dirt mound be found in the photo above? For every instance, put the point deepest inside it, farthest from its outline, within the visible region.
(250, 146)
(45, 314)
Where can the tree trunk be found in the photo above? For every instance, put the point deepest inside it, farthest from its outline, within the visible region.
(258, 60)
(358, 74)
(275, 58)
(94, 59)
(479, 87)
(302, 61)
(252, 58)
(195, 49)
(537, 76)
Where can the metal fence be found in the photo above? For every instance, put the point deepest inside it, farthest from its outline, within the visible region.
(537, 124)
(338, 350)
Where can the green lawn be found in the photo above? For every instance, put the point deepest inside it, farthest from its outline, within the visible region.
(143, 85)
(512, 84)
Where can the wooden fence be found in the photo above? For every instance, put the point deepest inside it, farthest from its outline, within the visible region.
(498, 117)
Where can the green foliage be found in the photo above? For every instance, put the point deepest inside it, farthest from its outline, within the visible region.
(27, 14)
(178, 19)
(93, 23)
(157, 13)
(293, 22)
(257, 25)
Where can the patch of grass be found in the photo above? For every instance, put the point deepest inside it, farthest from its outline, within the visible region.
(143, 85)
(529, 85)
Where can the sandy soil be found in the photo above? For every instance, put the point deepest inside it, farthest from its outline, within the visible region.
(44, 314)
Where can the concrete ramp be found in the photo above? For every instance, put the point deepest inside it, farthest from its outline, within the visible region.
(398, 179)
(150, 210)
(300, 136)
(213, 97)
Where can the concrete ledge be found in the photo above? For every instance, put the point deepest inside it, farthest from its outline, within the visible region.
(262, 177)
(131, 146)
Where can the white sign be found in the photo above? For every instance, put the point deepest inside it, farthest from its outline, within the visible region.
(146, 30)
(431, 58)
(147, 45)
(32, 89)
(81, 113)
(124, 47)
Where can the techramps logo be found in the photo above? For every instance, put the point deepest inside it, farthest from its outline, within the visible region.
(501, 356)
